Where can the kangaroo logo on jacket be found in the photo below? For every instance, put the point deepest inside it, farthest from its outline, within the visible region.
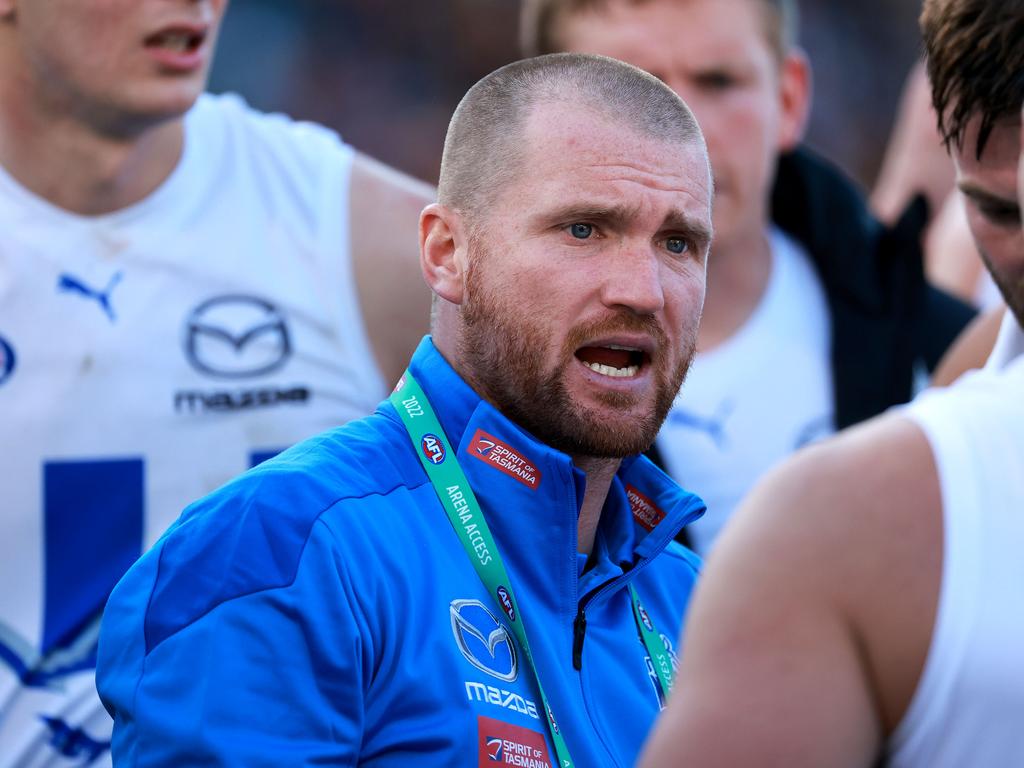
(484, 641)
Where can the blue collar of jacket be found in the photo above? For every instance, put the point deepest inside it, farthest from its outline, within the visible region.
(509, 469)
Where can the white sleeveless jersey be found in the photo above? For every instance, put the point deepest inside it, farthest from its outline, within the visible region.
(753, 400)
(146, 357)
(968, 705)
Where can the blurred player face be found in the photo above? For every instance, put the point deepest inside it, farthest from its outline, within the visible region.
(116, 63)
(989, 185)
(586, 283)
(715, 54)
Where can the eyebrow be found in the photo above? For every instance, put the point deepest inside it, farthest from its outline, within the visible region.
(980, 195)
(676, 221)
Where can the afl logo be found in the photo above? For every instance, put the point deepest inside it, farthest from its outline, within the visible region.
(551, 719)
(432, 448)
(645, 618)
(506, 602)
(6, 360)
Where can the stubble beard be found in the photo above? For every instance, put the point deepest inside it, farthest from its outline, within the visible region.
(501, 347)
(1010, 286)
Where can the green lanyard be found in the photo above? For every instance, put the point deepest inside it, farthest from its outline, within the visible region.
(456, 496)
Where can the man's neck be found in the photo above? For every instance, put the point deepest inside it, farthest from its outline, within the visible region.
(600, 473)
(738, 274)
(77, 167)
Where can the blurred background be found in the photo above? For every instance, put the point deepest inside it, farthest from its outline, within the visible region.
(386, 74)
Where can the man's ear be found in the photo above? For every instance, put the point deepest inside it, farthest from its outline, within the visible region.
(795, 97)
(444, 252)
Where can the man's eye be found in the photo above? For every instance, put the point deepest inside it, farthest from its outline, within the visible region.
(677, 245)
(581, 231)
(1002, 215)
(716, 81)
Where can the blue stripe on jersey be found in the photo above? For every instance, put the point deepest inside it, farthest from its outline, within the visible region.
(94, 528)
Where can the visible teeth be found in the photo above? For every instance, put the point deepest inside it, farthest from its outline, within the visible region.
(176, 41)
(619, 373)
(624, 349)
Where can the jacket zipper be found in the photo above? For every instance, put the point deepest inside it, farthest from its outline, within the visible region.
(579, 631)
(579, 624)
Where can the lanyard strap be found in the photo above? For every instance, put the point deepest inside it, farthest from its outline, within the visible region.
(652, 642)
(463, 510)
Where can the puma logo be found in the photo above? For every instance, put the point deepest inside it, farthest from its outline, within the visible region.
(70, 284)
(713, 426)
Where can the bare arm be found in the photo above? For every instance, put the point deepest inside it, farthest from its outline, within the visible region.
(806, 637)
(395, 301)
(915, 159)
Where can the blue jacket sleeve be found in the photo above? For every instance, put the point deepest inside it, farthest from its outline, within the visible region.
(270, 676)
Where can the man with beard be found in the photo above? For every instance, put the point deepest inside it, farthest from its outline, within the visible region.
(888, 620)
(817, 316)
(484, 569)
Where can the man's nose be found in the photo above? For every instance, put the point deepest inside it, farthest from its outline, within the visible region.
(633, 281)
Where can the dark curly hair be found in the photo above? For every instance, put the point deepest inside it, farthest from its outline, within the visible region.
(975, 52)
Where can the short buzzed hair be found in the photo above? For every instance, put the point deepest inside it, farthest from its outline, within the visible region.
(538, 22)
(483, 149)
(975, 52)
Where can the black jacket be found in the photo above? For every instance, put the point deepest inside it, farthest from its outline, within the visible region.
(886, 320)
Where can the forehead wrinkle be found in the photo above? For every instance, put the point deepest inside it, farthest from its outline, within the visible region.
(658, 178)
(698, 187)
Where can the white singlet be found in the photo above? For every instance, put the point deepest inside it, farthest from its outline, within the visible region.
(147, 357)
(968, 704)
(753, 400)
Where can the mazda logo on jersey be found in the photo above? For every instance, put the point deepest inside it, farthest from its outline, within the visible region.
(6, 360)
(236, 337)
(484, 641)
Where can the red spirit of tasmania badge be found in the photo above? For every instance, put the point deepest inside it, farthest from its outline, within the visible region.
(644, 511)
(504, 457)
(506, 744)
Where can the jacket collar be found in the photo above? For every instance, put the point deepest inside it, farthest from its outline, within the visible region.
(509, 469)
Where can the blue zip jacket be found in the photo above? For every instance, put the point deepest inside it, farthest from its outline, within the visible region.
(320, 609)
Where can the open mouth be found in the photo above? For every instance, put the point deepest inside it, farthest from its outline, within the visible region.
(176, 40)
(613, 360)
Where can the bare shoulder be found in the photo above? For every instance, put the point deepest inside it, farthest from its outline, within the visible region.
(375, 183)
(852, 527)
(385, 206)
(880, 473)
(812, 621)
